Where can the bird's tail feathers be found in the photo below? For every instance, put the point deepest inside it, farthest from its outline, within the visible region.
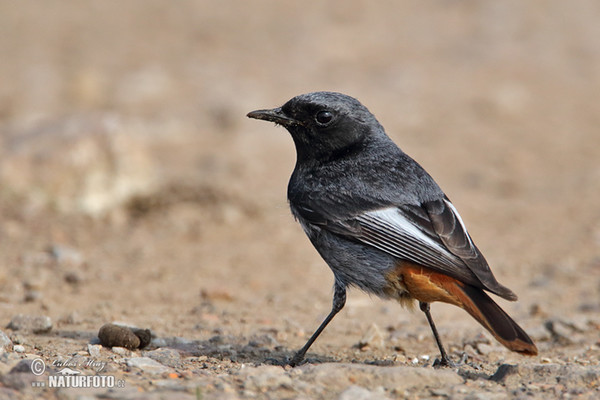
(428, 286)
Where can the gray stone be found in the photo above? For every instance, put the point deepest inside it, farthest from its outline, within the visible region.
(5, 342)
(94, 350)
(505, 372)
(360, 393)
(23, 366)
(18, 381)
(30, 323)
(165, 356)
(158, 342)
(20, 376)
(265, 377)
(147, 365)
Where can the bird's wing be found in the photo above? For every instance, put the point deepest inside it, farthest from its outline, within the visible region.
(408, 233)
(432, 235)
(450, 228)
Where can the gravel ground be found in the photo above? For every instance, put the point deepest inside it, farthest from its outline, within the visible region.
(134, 192)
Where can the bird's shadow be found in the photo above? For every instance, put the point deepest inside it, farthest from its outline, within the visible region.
(240, 350)
(256, 350)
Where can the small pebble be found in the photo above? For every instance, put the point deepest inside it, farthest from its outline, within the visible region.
(19, 348)
(94, 350)
(30, 323)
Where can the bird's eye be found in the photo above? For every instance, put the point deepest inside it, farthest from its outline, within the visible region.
(324, 117)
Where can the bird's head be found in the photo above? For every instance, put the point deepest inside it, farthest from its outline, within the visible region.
(324, 125)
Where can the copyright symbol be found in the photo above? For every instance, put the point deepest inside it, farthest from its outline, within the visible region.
(38, 367)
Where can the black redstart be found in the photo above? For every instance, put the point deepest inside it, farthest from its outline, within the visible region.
(380, 221)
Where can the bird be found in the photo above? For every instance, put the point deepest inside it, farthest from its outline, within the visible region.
(381, 222)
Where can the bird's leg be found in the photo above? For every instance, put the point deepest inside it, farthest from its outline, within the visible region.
(445, 360)
(339, 300)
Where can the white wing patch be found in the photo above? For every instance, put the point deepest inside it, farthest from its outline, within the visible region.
(393, 218)
(389, 230)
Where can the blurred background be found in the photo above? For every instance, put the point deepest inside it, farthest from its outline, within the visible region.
(133, 187)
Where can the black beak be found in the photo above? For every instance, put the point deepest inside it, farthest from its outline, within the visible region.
(275, 115)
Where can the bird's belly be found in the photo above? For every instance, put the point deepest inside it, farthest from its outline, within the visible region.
(357, 264)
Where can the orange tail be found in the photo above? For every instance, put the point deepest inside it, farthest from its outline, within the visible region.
(489, 314)
(427, 286)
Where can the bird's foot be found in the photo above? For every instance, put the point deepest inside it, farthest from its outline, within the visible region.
(446, 362)
(296, 360)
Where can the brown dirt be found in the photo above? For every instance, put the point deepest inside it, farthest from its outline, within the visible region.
(498, 101)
